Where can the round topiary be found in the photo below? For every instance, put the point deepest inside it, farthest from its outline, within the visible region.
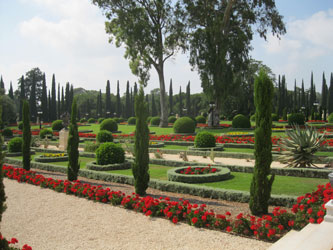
(83, 120)
(330, 118)
(200, 119)
(109, 153)
(296, 118)
(149, 119)
(57, 125)
(100, 120)
(92, 120)
(241, 121)
(253, 118)
(131, 121)
(45, 132)
(204, 140)
(15, 145)
(172, 119)
(109, 125)
(20, 125)
(184, 125)
(7, 132)
(275, 117)
(104, 136)
(155, 121)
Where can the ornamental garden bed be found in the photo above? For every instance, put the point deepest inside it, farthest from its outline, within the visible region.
(217, 148)
(117, 166)
(51, 157)
(154, 144)
(198, 174)
(238, 134)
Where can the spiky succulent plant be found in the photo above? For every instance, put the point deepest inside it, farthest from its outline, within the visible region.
(299, 147)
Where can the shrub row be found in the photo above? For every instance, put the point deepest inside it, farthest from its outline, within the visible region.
(108, 167)
(41, 158)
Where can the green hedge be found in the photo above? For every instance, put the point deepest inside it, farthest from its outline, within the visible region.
(117, 166)
(41, 158)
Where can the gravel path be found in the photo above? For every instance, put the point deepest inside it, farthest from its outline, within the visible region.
(45, 220)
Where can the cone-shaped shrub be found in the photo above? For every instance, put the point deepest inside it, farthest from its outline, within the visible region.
(140, 167)
(261, 185)
(73, 146)
(26, 135)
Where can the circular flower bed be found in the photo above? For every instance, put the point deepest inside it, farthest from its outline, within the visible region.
(115, 166)
(217, 148)
(52, 157)
(154, 144)
(198, 174)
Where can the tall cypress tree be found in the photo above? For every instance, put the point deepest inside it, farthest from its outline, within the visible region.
(140, 167)
(180, 102)
(188, 99)
(127, 102)
(118, 101)
(135, 91)
(99, 108)
(32, 100)
(26, 135)
(153, 105)
(67, 97)
(107, 99)
(261, 185)
(58, 103)
(295, 98)
(280, 97)
(11, 92)
(170, 97)
(132, 104)
(73, 146)
(302, 95)
(71, 97)
(147, 101)
(49, 100)
(324, 96)
(63, 105)
(44, 100)
(312, 92)
(2, 85)
(53, 109)
(22, 97)
(330, 96)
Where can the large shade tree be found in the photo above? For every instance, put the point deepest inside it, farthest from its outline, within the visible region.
(221, 32)
(151, 31)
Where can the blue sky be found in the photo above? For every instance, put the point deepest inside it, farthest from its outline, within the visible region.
(67, 37)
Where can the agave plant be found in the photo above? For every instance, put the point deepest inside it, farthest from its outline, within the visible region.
(299, 147)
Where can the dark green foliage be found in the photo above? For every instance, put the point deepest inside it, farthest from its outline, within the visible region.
(44, 101)
(45, 132)
(172, 119)
(200, 119)
(83, 120)
(149, 119)
(109, 153)
(170, 98)
(15, 145)
(92, 120)
(59, 103)
(204, 140)
(7, 132)
(104, 136)
(109, 124)
(155, 121)
(324, 97)
(99, 104)
(20, 125)
(127, 102)
(296, 119)
(180, 107)
(284, 115)
(253, 118)
(11, 92)
(188, 100)
(330, 96)
(90, 146)
(241, 121)
(53, 108)
(22, 96)
(107, 98)
(26, 136)
(118, 102)
(2, 187)
(57, 125)
(131, 121)
(140, 168)
(330, 118)
(184, 125)
(73, 146)
(100, 120)
(261, 185)
(275, 117)
(32, 101)
(153, 105)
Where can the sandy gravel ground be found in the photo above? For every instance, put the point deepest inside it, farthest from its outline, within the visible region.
(48, 220)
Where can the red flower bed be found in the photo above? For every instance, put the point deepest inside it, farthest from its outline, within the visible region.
(309, 208)
(198, 170)
(13, 241)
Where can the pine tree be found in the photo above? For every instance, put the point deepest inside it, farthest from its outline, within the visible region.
(153, 105)
(58, 104)
(140, 167)
(118, 101)
(180, 102)
(73, 146)
(188, 99)
(170, 98)
(26, 135)
(261, 185)
(324, 96)
(11, 92)
(107, 99)
(22, 97)
(44, 100)
(330, 96)
(53, 109)
(32, 101)
(127, 102)
(2, 187)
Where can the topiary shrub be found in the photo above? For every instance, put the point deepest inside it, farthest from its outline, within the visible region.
(100, 120)
(172, 119)
(15, 145)
(83, 120)
(204, 140)
(7, 132)
(131, 121)
(92, 120)
(184, 125)
(57, 125)
(109, 125)
(104, 136)
(109, 153)
(20, 125)
(155, 121)
(149, 119)
(253, 118)
(275, 117)
(241, 121)
(90, 146)
(200, 119)
(296, 119)
(45, 132)
(330, 118)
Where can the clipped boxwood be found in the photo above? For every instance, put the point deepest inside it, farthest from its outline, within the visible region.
(45, 132)
(253, 118)
(43, 158)
(241, 121)
(20, 125)
(15, 145)
(204, 140)
(57, 125)
(200, 119)
(149, 119)
(184, 125)
(109, 125)
(110, 153)
(172, 119)
(155, 121)
(131, 121)
(7, 132)
(92, 120)
(330, 118)
(104, 136)
(91, 146)
(100, 120)
(108, 167)
(275, 117)
(296, 118)
(220, 175)
(83, 120)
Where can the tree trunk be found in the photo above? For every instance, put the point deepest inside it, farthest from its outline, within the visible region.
(163, 101)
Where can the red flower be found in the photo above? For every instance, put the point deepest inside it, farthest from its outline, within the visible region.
(229, 229)
(239, 216)
(311, 220)
(13, 241)
(204, 218)
(194, 220)
(309, 211)
(320, 220)
(291, 223)
(148, 213)
(175, 219)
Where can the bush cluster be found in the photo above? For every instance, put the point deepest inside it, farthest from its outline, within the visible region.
(57, 125)
(155, 121)
(172, 119)
(330, 118)
(92, 120)
(149, 119)
(200, 119)
(20, 125)
(275, 117)
(15, 145)
(204, 140)
(104, 136)
(241, 121)
(109, 153)
(109, 125)
(100, 120)
(83, 120)
(253, 118)
(296, 118)
(45, 132)
(184, 125)
(90, 146)
(7, 132)
(131, 121)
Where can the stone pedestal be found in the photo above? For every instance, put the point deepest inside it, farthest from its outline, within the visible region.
(329, 211)
(63, 139)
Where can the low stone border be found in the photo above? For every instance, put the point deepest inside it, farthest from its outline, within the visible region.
(117, 166)
(221, 174)
(156, 145)
(217, 148)
(14, 154)
(42, 158)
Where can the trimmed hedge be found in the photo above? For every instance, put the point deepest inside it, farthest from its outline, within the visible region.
(275, 117)
(116, 166)
(155, 121)
(15, 145)
(7, 132)
(57, 125)
(109, 124)
(100, 120)
(92, 120)
(184, 125)
(20, 125)
(44, 132)
(83, 120)
(296, 118)
(131, 121)
(330, 118)
(172, 119)
(241, 121)
(205, 140)
(109, 153)
(200, 119)
(42, 158)
(104, 136)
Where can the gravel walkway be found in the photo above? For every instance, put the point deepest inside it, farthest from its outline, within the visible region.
(45, 220)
